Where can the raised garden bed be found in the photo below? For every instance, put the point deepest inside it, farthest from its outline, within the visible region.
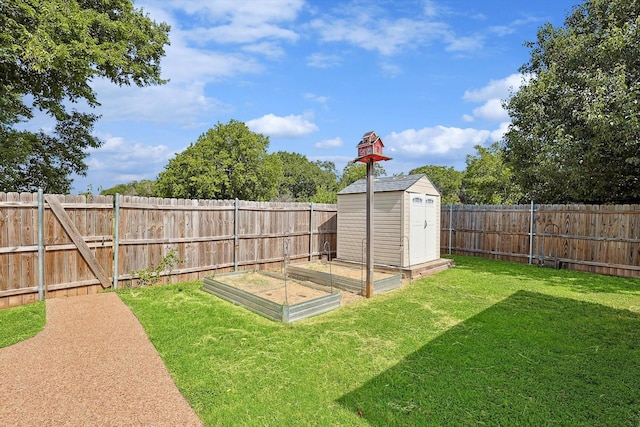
(266, 294)
(343, 276)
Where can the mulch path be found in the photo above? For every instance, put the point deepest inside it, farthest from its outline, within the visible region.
(92, 365)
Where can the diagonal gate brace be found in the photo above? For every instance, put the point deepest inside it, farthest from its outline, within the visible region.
(76, 237)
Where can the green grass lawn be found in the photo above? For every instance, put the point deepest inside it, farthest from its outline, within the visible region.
(486, 342)
(19, 323)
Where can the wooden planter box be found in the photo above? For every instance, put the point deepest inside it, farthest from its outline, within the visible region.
(272, 310)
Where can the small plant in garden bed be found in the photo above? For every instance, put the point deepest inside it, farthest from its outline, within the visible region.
(151, 276)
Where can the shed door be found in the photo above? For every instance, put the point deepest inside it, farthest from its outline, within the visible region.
(431, 228)
(422, 238)
(417, 232)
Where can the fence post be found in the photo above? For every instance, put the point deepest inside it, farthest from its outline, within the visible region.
(116, 238)
(450, 226)
(311, 231)
(40, 245)
(235, 235)
(531, 235)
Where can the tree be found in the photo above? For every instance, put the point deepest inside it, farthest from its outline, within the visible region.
(487, 180)
(575, 134)
(446, 179)
(226, 162)
(354, 171)
(302, 178)
(326, 195)
(50, 51)
(144, 188)
(29, 161)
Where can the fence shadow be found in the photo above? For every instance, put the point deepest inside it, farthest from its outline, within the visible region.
(532, 359)
(577, 281)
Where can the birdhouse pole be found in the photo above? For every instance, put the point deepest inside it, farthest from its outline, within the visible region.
(369, 152)
(369, 284)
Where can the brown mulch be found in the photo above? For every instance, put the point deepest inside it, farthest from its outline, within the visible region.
(92, 365)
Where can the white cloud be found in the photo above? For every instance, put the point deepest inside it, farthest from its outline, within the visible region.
(497, 134)
(491, 110)
(439, 140)
(463, 44)
(268, 49)
(120, 161)
(505, 30)
(282, 127)
(183, 104)
(329, 143)
(319, 60)
(431, 9)
(390, 69)
(370, 27)
(232, 21)
(385, 36)
(502, 30)
(491, 96)
(495, 89)
(238, 32)
(119, 154)
(186, 64)
(317, 98)
(241, 11)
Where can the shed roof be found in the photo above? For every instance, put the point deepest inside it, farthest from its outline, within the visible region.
(386, 183)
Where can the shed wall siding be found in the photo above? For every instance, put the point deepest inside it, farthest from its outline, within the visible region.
(387, 227)
(388, 223)
(351, 226)
(424, 186)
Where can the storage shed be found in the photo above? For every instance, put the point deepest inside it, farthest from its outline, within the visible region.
(406, 221)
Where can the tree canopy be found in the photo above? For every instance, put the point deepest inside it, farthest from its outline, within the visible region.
(303, 179)
(143, 188)
(575, 131)
(446, 179)
(354, 171)
(226, 162)
(50, 51)
(487, 180)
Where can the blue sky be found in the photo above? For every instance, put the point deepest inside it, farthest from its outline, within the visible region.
(428, 76)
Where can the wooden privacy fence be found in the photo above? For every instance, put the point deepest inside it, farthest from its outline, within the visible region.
(602, 239)
(54, 245)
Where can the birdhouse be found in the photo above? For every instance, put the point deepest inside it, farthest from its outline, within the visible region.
(370, 148)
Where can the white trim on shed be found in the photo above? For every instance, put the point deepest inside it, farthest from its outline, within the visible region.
(391, 217)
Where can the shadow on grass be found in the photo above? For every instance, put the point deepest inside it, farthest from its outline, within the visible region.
(575, 280)
(532, 359)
